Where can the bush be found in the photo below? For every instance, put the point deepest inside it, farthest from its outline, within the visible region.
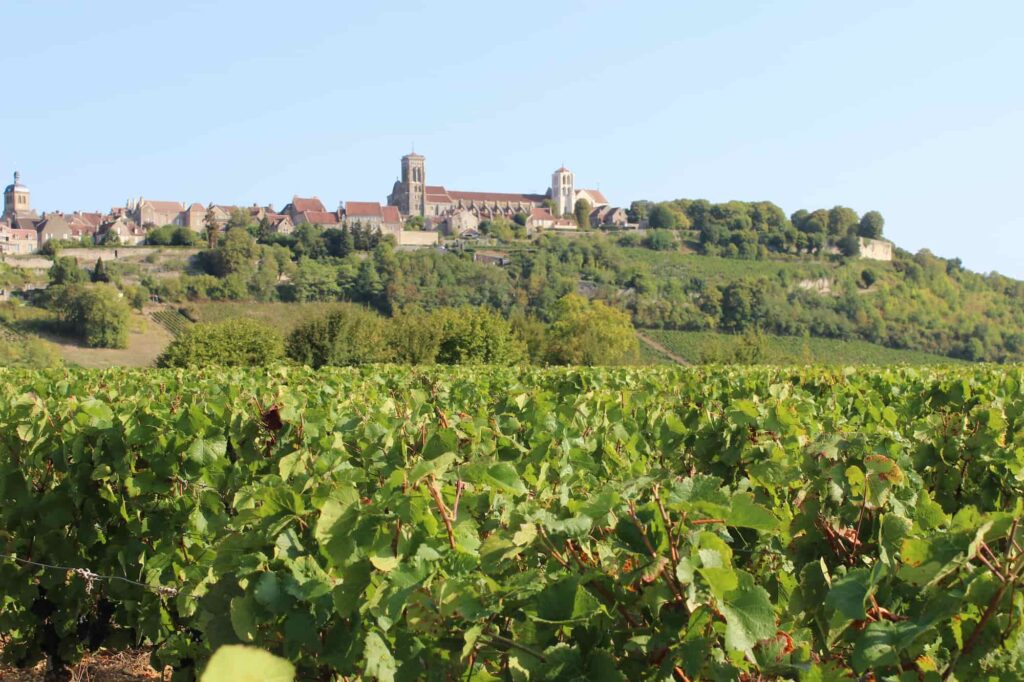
(239, 342)
(478, 335)
(590, 333)
(349, 335)
(96, 313)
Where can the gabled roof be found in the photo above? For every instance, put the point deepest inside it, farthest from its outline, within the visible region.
(163, 205)
(196, 206)
(391, 214)
(363, 209)
(598, 198)
(496, 196)
(85, 218)
(541, 213)
(301, 205)
(320, 217)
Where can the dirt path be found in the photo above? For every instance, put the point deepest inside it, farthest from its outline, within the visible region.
(654, 345)
(146, 340)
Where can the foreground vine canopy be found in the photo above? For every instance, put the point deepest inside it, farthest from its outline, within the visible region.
(395, 523)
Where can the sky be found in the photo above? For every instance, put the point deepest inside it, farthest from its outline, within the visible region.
(911, 108)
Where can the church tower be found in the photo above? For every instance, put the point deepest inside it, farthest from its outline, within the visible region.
(563, 192)
(16, 203)
(414, 181)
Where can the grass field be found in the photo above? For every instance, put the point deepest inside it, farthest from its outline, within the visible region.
(699, 346)
(283, 316)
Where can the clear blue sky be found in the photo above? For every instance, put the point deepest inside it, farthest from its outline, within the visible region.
(915, 109)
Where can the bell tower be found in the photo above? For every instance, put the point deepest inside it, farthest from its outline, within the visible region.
(16, 200)
(414, 181)
(563, 191)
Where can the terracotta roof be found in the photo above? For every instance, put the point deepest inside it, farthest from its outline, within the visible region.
(83, 218)
(196, 205)
(164, 205)
(320, 217)
(363, 209)
(596, 194)
(300, 205)
(391, 214)
(541, 213)
(496, 196)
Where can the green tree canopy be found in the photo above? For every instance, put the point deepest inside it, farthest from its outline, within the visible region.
(96, 313)
(871, 225)
(347, 335)
(239, 342)
(661, 216)
(582, 213)
(590, 333)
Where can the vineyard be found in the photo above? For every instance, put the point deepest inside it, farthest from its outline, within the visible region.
(172, 320)
(520, 524)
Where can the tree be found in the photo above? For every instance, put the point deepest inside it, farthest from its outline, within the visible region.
(638, 210)
(161, 236)
(347, 335)
(96, 313)
(590, 333)
(478, 335)
(368, 286)
(849, 245)
(520, 218)
(212, 228)
(660, 240)
(841, 220)
(582, 212)
(184, 236)
(871, 225)
(414, 222)
(415, 337)
(236, 253)
(239, 342)
(99, 272)
(661, 216)
(65, 271)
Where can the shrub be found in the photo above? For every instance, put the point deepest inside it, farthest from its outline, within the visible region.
(349, 335)
(239, 342)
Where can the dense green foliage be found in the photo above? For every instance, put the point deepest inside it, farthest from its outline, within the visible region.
(232, 343)
(495, 523)
(756, 348)
(95, 313)
(788, 276)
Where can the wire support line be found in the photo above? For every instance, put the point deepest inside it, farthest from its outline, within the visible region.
(89, 577)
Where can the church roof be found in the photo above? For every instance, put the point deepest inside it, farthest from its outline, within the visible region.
(391, 214)
(495, 196)
(164, 205)
(363, 209)
(16, 184)
(300, 205)
(596, 195)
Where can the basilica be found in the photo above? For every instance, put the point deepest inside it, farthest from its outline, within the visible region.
(455, 211)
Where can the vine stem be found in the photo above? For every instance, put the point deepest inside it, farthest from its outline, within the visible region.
(515, 645)
(442, 510)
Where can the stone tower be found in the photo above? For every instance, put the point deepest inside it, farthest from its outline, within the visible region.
(16, 201)
(563, 191)
(414, 181)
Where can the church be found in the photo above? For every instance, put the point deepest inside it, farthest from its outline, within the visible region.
(437, 205)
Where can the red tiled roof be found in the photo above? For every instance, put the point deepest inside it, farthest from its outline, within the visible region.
(196, 206)
(541, 214)
(596, 193)
(496, 196)
(90, 219)
(320, 217)
(363, 209)
(391, 214)
(165, 205)
(301, 205)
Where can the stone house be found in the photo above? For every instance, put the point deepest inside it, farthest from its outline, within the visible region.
(53, 226)
(158, 213)
(300, 205)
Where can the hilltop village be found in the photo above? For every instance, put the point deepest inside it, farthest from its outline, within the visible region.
(416, 214)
